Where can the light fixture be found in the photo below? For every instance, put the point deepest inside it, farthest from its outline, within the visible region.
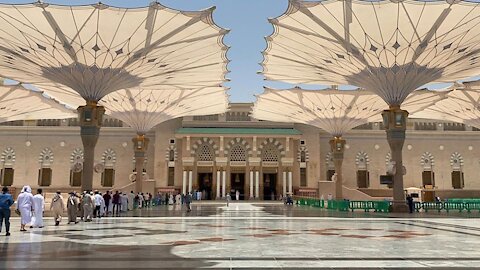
(28, 143)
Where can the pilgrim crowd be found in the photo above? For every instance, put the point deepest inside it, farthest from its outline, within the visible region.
(84, 206)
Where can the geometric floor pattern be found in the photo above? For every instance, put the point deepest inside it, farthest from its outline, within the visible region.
(246, 236)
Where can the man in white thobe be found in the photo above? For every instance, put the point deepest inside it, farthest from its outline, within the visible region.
(38, 209)
(124, 202)
(24, 205)
(131, 198)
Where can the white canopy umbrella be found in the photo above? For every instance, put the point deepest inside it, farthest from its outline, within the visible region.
(82, 53)
(335, 111)
(462, 105)
(144, 109)
(389, 47)
(20, 103)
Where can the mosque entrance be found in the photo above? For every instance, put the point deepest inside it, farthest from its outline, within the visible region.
(205, 185)
(237, 183)
(269, 186)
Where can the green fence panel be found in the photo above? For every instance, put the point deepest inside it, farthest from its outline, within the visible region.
(460, 206)
(432, 206)
(472, 206)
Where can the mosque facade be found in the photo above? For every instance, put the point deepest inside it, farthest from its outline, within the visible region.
(233, 153)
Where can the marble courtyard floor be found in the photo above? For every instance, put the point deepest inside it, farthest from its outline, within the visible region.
(249, 236)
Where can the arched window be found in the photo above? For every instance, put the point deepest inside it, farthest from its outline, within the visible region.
(45, 171)
(427, 162)
(270, 153)
(456, 161)
(363, 176)
(205, 152)
(7, 162)
(238, 153)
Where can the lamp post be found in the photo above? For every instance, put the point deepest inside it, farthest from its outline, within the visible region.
(395, 123)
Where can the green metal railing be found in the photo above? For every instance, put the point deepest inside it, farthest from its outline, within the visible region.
(458, 205)
(345, 205)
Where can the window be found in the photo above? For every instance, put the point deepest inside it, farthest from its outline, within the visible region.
(303, 177)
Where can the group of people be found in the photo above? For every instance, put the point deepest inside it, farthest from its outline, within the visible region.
(87, 205)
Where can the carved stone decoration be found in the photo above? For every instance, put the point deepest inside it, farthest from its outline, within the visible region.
(205, 149)
(427, 161)
(8, 157)
(362, 160)
(456, 161)
(303, 154)
(109, 158)
(269, 147)
(171, 153)
(46, 158)
(238, 149)
(76, 156)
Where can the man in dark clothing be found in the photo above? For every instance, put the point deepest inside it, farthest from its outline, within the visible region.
(107, 198)
(116, 202)
(6, 200)
(410, 203)
(188, 201)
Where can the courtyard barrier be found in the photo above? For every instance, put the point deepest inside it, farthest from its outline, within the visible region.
(457, 205)
(345, 205)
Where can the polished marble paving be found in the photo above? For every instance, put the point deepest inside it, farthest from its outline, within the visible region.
(248, 236)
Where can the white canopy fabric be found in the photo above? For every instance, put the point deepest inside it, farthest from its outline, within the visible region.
(335, 111)
(78, 53)
(19, 103)
(462, 105)
(390, 47)
(144, 109)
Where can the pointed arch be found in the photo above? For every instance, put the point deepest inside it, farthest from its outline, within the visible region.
(8, 157)
(302, 154)
(171, 153)
(238, 149)
(271, 150)
(46, 157)
(205, 149)
(427, 161)
(362, 160)
(109, 158)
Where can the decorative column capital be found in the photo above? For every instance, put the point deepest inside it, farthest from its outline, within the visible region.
(140, 145)
(395, 119)
(91, 115)
(337, 146)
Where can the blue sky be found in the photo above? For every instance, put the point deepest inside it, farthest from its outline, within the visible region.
(247, 20)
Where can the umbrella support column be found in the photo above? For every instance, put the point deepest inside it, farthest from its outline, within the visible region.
(140, 145)
(91, 117)
(395, 122)
(337, 146)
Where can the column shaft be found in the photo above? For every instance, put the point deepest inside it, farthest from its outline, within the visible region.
(290, 184)
(284, 186)
(251, 185)
(257, 184)
(190, 176)
(224, 180)
(219, 180)
(184, 182)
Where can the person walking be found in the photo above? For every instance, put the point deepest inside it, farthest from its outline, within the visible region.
(72, 207)
(124, 202)
(131, 199)
(24, 206)
(228, 198)
(116, 203)
(107, 197)
(38, 209)
(6, 201)
(88, 205)
(410, 203)
(57, 207)
(188, 201)
(97, 198)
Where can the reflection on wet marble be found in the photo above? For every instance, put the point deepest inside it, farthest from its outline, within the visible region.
(247, 236)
